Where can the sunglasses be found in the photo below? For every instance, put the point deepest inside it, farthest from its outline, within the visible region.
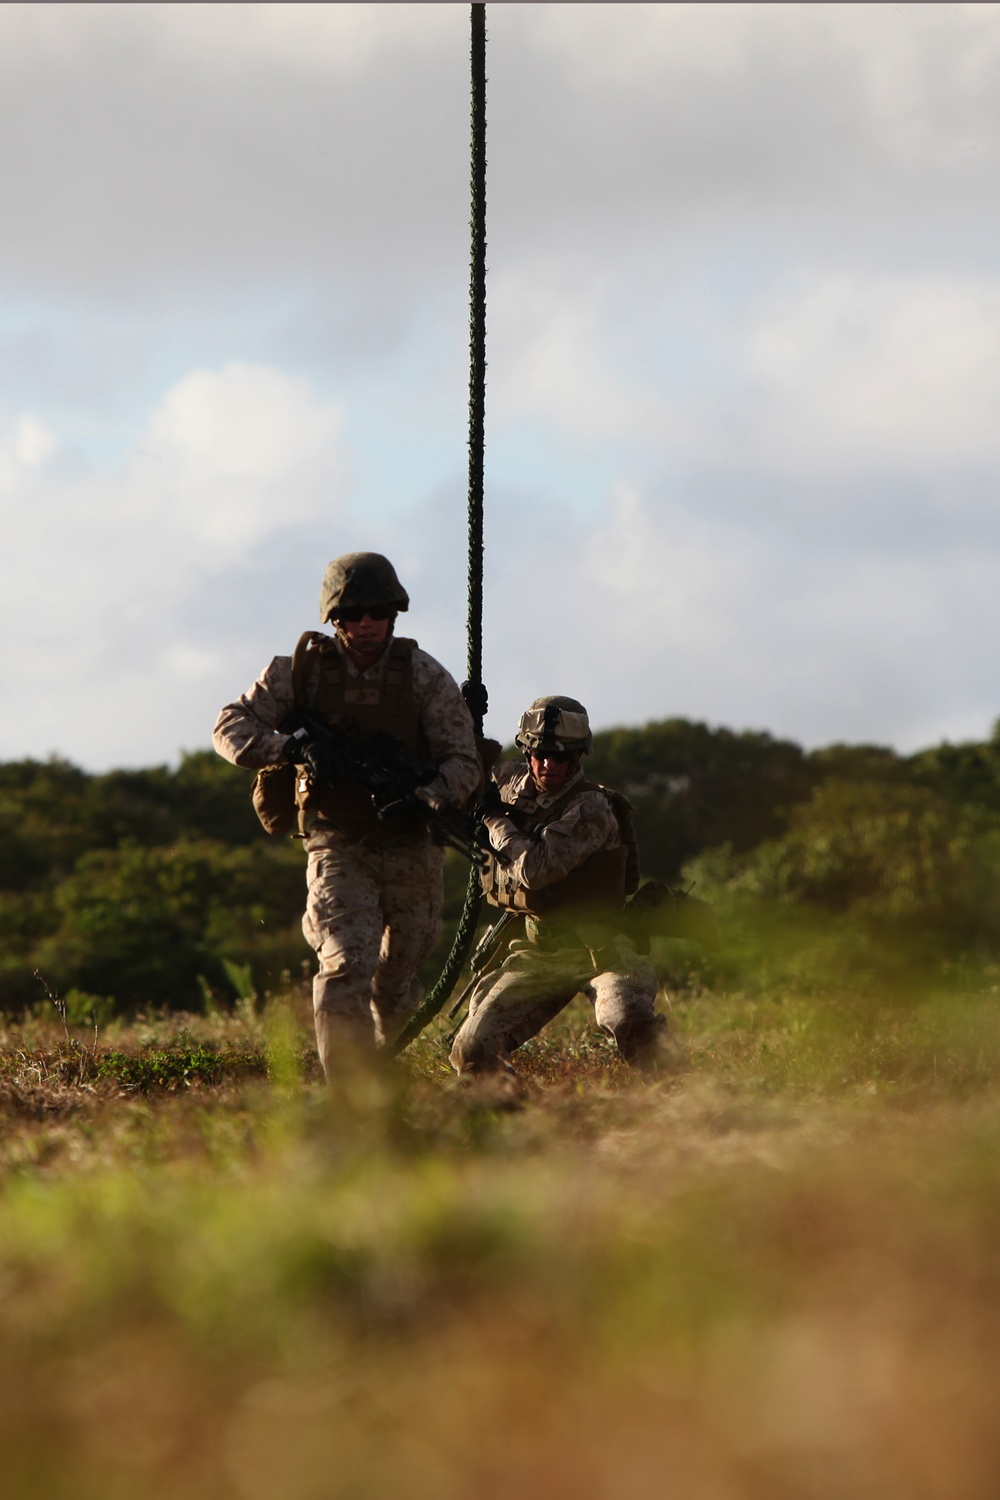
(559, 756)
(355, 616)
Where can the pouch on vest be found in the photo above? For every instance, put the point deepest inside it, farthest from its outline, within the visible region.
(273, 797)
(595, 887)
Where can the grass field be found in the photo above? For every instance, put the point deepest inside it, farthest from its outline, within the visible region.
(775, 1274)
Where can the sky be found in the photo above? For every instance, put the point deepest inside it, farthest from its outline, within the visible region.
(743, 401)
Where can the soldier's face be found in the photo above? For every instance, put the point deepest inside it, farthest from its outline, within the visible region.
(365, 633)
(551, 770)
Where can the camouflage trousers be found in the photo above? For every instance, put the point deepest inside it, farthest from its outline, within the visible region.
(531, 987)
(373, 915)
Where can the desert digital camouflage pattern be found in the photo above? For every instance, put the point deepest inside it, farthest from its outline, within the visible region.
(555, 723)
(587, 826)
(541, 974)
(245, 732)
(372, 916)
(373, 911)
(533, 985)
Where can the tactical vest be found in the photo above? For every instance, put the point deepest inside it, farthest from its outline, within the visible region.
(598, 885)
(361, 708)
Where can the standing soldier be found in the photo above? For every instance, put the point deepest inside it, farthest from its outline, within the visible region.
(375, 887)
(571, 861)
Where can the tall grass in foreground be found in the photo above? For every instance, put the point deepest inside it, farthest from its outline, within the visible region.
(775, 1274)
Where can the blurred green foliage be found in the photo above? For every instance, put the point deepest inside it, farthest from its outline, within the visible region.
(159, 887)
(824, 866)
(775, 1274)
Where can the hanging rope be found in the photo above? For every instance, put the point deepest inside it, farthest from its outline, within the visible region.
(474, 689)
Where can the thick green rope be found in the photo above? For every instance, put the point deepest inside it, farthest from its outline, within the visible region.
(475, 692)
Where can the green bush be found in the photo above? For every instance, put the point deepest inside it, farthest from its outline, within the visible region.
(898, 855)
(143, 924)
(144, 885)
(890, 882)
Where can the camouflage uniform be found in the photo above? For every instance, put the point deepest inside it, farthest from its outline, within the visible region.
(560, 957)
(374, 905)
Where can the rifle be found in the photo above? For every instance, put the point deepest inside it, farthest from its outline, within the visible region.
(658, 910)
(486, 951)
(483, 959)
(386, 769)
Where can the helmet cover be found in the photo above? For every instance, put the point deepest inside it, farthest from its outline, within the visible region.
(358, 579)
(555, 723)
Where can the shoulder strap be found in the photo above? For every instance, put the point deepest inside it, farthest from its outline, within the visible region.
(558, 807)
(308, 653)
(622, 809)
(399, 667)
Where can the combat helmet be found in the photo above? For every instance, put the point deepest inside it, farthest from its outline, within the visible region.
(555, 723)
(358, 579)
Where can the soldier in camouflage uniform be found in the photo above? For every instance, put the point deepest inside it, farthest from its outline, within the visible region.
(571, 862)
(374, 900)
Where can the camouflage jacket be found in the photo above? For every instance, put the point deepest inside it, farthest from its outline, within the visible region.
(246, 731)
(554, 849)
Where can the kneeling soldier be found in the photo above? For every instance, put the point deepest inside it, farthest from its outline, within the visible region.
(571, 862)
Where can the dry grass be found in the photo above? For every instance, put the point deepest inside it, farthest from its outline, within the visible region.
(773, 1275)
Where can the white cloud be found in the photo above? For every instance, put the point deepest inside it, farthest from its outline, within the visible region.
(193, 151)
(26, 447)
(257, 145)
(742, 258)
(687, 123)
(331, 39)
(897, 372)
(833, 378)
(658, 612)
(235, 453)
(97, 569)
(557, 360)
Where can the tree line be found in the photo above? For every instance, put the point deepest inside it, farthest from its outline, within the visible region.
(158, 886)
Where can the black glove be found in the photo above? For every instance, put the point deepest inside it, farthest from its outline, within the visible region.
(491, 801)
(302, 751)
(476, 698)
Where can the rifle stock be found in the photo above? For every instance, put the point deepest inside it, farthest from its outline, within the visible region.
(658, 910)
